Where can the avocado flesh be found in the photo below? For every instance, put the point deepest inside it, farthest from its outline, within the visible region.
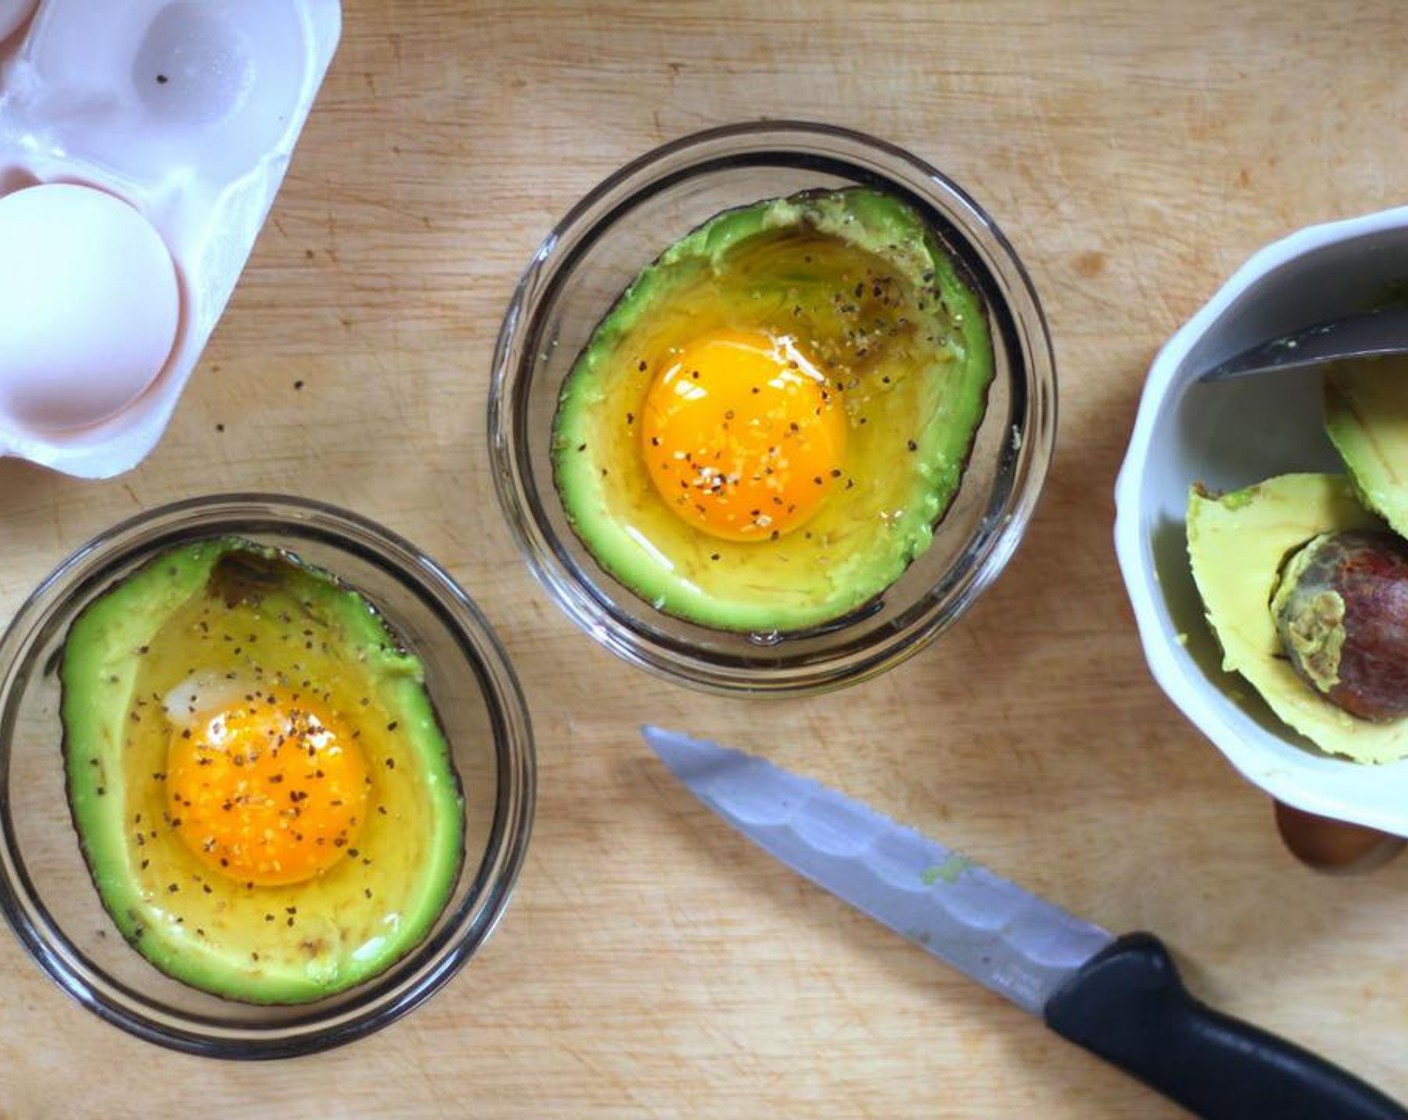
(1366, 417)
(189, 611)
(858, 279)
(1237, 544)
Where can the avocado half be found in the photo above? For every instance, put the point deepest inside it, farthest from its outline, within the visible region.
(220, 621)
(1237, 544)
(1366, 418)
(861, 281)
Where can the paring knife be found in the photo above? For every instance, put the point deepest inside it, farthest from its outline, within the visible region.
(1119, 997)
(1368, 334)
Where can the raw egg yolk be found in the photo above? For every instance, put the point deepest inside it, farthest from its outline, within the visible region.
(743, 437)
(269, 791)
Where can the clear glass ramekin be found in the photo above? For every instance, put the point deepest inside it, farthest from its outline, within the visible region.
(597, 249)
(45, 890)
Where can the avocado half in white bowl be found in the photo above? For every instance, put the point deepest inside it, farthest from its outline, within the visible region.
(1254, 461)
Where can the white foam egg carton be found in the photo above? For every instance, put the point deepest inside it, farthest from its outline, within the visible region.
(187, 111)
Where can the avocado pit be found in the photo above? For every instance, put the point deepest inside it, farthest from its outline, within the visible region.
(1341, 613)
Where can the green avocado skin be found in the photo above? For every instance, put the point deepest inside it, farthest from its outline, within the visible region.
(812, 593)
(100, 676)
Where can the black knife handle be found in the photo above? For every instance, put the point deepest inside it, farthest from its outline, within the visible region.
(1128, 1005)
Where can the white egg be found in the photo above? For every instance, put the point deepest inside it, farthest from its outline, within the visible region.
(89, 306)
(203, 691)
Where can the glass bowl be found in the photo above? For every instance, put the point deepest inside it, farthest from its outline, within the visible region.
(45, 889)
(598, 248)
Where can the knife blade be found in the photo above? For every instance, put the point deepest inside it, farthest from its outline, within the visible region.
(1369, 334)
(1119, 997)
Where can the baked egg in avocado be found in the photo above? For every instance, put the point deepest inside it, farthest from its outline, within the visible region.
(259, 782)
(763, 431)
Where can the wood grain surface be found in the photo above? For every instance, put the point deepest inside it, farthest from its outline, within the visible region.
(652, 963)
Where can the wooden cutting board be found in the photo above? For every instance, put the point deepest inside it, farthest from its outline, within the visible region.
(652, 963)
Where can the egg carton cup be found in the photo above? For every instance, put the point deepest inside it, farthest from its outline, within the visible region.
(188, 110)
(1235, 433)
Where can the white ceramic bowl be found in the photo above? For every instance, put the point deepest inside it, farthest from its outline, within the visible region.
(1229, 435)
